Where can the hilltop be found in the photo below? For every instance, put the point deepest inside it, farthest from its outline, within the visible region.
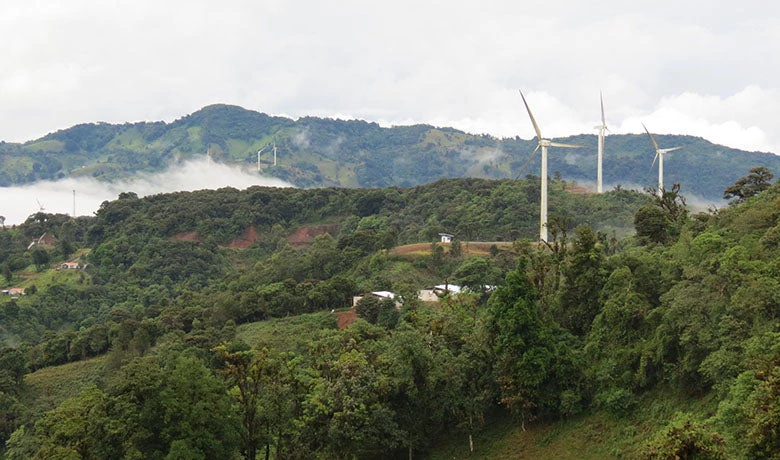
(320, 152)
(204, 325)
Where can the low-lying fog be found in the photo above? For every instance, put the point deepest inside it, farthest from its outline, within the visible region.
(56, 197)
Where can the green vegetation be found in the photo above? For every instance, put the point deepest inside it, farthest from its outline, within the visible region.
(315, 152)
(639, 330)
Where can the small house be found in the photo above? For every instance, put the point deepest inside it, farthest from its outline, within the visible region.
(381, 295)
(14, 292)
(433, 294)
(71, 266)
(446, 237)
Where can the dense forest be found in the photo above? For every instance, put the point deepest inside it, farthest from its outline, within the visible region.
(316, 152)
(208, 324)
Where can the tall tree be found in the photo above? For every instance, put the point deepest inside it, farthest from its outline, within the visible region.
(584, 278)
(757, 180)
(534, 361)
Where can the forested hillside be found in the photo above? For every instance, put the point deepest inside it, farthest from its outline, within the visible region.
(315, 152)
(206, 324)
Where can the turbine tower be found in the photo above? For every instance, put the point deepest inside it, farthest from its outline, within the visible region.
(258, 157)
(659, 155)
(543, 144)
(602, 128)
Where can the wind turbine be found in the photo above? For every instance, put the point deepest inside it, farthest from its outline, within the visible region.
(659, 155)
(602, 128)
(543, 144)
(258, 157)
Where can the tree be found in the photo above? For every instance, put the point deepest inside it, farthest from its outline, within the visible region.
(368, 308)
(40, 258)
(347, 411)
(456, 251)
(534, 362)
(264, 384)
(80, 427)
(243, 371)
(757, 180)
(584, 279)
(172, 404)
(7, 273)
(477, 273)
(685, 438)
(660, 222)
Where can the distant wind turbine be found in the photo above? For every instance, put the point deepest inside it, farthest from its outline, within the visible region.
(659, 155)
(543, 144)
(602, 128)
(258, 157)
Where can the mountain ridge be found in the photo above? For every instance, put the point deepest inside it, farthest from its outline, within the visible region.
(317, 152)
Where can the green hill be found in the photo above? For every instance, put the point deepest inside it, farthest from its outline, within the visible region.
(316, 152)
(215, 317)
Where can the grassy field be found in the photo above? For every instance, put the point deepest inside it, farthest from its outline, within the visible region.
(594, 435)
(286, 334)
(49, 386)
(472, 248)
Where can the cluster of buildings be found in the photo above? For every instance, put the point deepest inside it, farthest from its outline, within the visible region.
(429, 294)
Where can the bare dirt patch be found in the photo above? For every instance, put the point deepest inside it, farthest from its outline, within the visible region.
(345, 318)
(578, 190)
(187, 236)
(304, 236)
(248, 238)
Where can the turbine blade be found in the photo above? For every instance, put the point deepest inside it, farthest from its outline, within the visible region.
(657, 152)
(655, 144)
(527, 162)
(603, 120)
(566, 146)
(672, 149)
(533, 121)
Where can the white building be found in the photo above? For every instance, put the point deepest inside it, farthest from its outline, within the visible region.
(446, 237)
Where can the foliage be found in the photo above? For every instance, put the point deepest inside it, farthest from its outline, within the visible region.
(685, 438)
(152, 409)
(757, 180)
(315, 152)
(682, 317)
(534, 365)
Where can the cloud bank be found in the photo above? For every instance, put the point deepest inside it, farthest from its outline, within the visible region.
(680, 67)
(56, 197)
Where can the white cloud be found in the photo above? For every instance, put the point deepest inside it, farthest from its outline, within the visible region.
(741, 120)
(57, 196)
(444, 63)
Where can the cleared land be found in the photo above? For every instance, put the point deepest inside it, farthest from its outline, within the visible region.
(469, 248)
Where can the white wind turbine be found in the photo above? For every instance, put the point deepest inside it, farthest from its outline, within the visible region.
(258, 157)
(602, 128)
(659, 155)
(543, 144)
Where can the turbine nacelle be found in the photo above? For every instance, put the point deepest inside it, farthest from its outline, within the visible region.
(549, 143)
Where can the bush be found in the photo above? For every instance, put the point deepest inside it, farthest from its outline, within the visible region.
(618, 401)
(685, 438)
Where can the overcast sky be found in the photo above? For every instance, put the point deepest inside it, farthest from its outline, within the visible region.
(705, 68)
